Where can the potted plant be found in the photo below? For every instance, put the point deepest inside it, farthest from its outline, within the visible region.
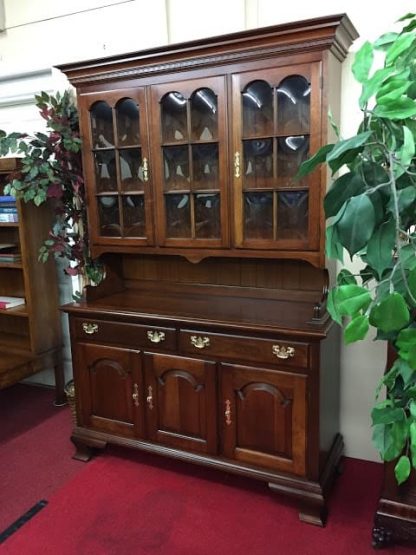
(51, 171)
(371, 213)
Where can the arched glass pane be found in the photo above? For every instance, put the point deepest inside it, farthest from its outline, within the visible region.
(257, 109)
(204, 115)
(102, 125)
(174, 119)
(293, 105)
(128, 123)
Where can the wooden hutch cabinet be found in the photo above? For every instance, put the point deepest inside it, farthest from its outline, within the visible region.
(209, 341)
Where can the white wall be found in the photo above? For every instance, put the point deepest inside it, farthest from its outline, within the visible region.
(45, 33)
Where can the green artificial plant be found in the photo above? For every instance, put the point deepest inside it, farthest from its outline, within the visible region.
(371, 213)
(51, 170)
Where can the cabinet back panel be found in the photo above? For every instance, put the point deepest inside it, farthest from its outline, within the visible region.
(11, 283)
(265, 274)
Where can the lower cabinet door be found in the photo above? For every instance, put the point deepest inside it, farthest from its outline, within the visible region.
(264, 417)
(109, 389)
(181, 402)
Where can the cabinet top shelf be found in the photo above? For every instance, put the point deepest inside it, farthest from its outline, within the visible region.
(335, 33)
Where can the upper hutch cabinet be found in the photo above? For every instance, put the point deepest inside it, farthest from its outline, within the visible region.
(193, 149)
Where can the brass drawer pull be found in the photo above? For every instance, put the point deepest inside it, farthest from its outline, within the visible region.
(227, 412)
(135, 395)
(200, 342)
(237, 172)
(90, 328)
(283, 352)
(149, 397)
(156, 336)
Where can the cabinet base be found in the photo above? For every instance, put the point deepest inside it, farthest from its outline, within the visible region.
(310, 494)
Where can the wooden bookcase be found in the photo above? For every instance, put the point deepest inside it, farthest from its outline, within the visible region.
(209, 340)
(30, 334)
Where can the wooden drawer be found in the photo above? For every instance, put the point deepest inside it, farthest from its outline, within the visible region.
(122, 333)
(238, 347)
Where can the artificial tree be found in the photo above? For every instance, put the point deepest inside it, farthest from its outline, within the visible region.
(371, 213)
(51, 171)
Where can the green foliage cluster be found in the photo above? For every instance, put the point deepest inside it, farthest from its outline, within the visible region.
(371, 213)
(51, 170)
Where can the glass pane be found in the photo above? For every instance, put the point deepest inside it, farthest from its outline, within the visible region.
(204, 111)
(207, 216)
(109, 216)
(105, 171)
(131, 170)
(258, 215)
(258, 162)
(205, 166)
(176, 167)
(133, 216)
(178, 216)
(174, 119)
(291, 152)
(293, 105)
(128, 124)
(258, 109)
(292, 215)
(102, 125)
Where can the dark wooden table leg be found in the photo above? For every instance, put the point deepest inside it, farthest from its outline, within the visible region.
(60, 397)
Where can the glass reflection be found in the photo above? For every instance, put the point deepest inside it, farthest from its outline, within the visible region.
(258, 215)
(205, 166)
(293, 105)
(128, 124)
(174, 118)
(258, 162)
(109, 217)
(178, 216)
(131, 169)
(291, 152)
(204, 115)
(105, 171)
(102, 125)
(207, 216)
(176, 167)
(292, 215)
(258, 109)
(133, 216)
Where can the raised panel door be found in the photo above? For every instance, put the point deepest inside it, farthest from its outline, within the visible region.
(276, 126)
(264, 417)
(190, 153)
(181, 402)
(116, 158)
(108, 383)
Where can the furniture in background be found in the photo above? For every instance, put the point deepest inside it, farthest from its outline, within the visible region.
(30, 333)
(209, 340)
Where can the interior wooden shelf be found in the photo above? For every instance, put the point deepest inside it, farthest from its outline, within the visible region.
(9, 224)
(14, 341)
(20, 310)
(16, 265)
(9, 361)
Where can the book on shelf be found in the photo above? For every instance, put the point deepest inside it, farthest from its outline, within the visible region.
(9, 218)
(8, 209)
(7, 247)
(10, 302)
(7, 199)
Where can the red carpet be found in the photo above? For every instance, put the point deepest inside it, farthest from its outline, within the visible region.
(124, 503)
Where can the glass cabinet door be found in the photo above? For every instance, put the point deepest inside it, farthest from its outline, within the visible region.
(117, 163)
(276, 125)
(189, 150)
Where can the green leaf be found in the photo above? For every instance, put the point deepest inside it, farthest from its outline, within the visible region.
(412, 433)
(343, 146)
(402, 469)
(404, 370)
(390, 314)
(405, 197)
(357, 329)
(387, 415)
(401, 44)
(401, 108)
(350, 299)
(409, 15)
(380, 247)
(363, 61)
(407, 151)
(347, 186)
(345, 277)
(357, 223)
(390, 439)
(412, 408)
(333, 247)
(318, 158)
(385, 40)
(371, 87)
(392, 90)
(332, 308)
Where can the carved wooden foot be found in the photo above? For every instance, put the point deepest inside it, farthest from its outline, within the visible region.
(83, 452)
(313, 514)
(382, 537)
